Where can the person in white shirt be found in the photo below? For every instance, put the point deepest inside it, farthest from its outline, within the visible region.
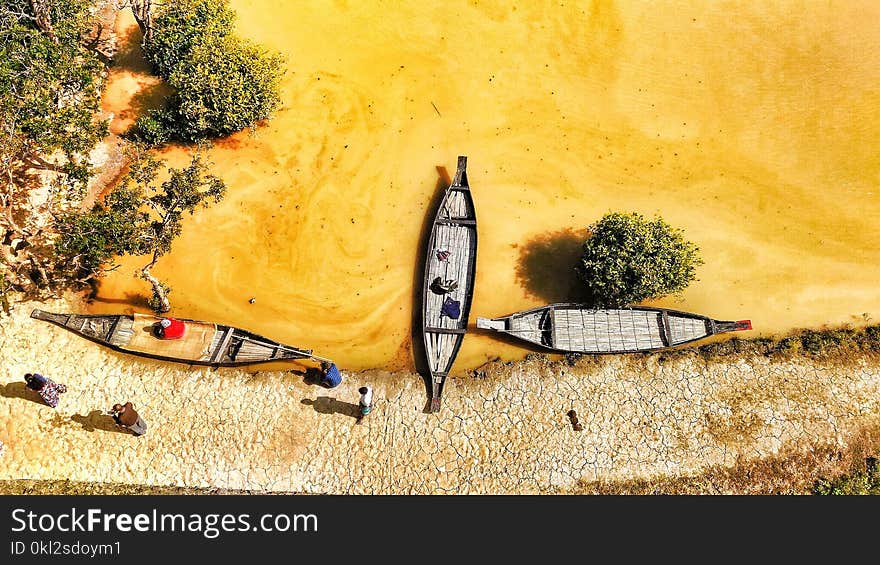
(366, 402)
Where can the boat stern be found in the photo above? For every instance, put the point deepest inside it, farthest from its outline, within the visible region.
(490, 324)
(738, 326)
(38, 314)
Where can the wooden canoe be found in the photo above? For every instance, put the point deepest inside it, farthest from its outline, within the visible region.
(454, 230)
(203, 343)
(574, 328)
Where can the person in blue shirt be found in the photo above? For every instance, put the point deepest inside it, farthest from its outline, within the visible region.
(330, 375)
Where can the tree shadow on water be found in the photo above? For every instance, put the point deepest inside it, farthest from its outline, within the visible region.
(129, 58)
(131, 299)
(546, 266)
(149, 97)
(129, 54)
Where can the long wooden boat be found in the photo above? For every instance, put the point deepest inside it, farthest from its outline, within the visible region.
(574, 328)
(203, 343)
(454, 231)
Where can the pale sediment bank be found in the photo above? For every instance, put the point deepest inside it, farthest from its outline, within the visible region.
(506, 432)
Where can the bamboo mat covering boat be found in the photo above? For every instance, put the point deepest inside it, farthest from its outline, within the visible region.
(194, 344)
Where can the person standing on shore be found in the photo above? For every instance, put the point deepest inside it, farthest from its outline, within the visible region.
(366, 402)
(48, 389)
(573, 418)
(125, 415)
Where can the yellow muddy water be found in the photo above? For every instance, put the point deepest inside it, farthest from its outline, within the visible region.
(752, 126)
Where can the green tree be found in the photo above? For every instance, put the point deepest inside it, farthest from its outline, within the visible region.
(140, 217)
(90, 241)
(628, 259)
(179, 26)
(222, 83)
(50, 86)
(862, 482)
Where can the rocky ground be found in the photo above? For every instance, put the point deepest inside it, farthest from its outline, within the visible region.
(502, 428)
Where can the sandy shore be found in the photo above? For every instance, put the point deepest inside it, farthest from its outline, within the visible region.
(505, 432)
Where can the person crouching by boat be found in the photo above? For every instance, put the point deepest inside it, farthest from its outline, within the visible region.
(127, 417)
(169, 328)
(330, 375)
(48, 389)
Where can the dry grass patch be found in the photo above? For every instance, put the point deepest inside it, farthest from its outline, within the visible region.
(65, 487)
(809, 472)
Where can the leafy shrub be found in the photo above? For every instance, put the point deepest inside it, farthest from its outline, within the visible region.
(629, 259)
(91, 240)
(50, 87)
(182, 24)
(155, 128)
(861, 483)
(222, 83)
(224, 86)
(141, 216)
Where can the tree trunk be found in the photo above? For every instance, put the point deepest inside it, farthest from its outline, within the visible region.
(44, 18)
(158, 289)
(43, 279)
(143, 14)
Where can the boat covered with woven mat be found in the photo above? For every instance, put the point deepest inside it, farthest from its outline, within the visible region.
(448, 286)
(575, 328)
(196, 342)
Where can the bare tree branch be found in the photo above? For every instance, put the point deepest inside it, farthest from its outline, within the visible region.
(143, 14)
(158, 289)
(43, 15)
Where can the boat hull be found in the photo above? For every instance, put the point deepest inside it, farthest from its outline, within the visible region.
(204, 343)
(451, 255)
(574, 328)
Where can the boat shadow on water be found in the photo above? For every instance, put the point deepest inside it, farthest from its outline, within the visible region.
(420, 359)
(330, 405)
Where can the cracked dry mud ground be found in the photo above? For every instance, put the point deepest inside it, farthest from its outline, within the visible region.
(506, 433)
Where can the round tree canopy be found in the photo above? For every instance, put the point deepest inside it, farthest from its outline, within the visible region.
(629, 259)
